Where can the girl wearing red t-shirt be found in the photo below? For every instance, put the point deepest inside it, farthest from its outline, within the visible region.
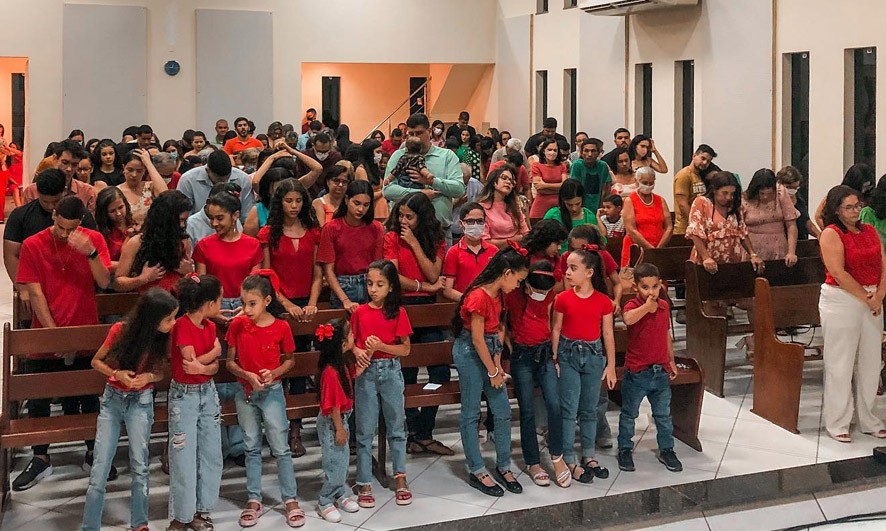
(381, 330)
(590, 235)
(114, 220)
(132, 357)
(544, 241)
(228, 254)
(290, 241)
(256, 342)
(336, 369)
(477, 356)
(194, 431)
(582, 315)
(416, 244)
(348, 244)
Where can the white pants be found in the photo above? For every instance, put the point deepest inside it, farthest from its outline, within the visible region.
(852, 343)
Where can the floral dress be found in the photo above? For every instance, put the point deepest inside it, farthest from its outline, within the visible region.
(140, 208)
(723, 236)
(767, 226)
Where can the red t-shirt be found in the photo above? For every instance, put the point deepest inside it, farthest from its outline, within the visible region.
(332, 394)
(351, 249)
(528, 319)
(234, 145)
(230, 262)
(259, 347)
(388, 147)
(609, 265)
(555, 262)
(173, 180)
(293, 261)
(113, 336)
(648, 337)
(115, 240)
(582, 318)
(64, 276)
(407, 264)
(368, 321)
(464, 266)
(480, 302)
(184, 334)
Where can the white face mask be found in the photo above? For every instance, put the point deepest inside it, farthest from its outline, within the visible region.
(645, 188)
(475, 231)
(539, 296)
(438, 131)
(322, 156)
(376, 158)
(792, 191)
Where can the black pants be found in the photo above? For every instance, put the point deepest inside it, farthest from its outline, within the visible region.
(71, 405)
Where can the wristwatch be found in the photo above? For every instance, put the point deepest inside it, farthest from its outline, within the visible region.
(93, 254)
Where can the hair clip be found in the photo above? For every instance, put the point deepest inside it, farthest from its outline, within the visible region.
(194, 276)
(516, 246)
(544, 273)
(271, 275)
(324, 331)
(594, 248)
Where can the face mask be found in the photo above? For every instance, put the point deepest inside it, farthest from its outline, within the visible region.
(438, 131)
(475, 231)
(376, 158)
(645, 188)
(322, 156)
(539, 296)
(792, 191)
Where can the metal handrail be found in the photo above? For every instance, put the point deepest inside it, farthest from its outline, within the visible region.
(388, 117)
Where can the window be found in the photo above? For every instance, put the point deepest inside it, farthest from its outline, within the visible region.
(541, 7)
(796, 135)
(861, 113)
(684, 122)
(643, 97)
(417, 99)
(541, 97)
(18, 110)
(567, 4)
(570, 102)
(331, 102)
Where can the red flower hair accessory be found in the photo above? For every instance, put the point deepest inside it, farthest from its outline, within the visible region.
(324, 331)
(516, 246)
(271, 275)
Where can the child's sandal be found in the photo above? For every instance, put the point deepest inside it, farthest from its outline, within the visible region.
(584, 476)
(541, 478)
(402, 494)
(365, 499)
(564, 478)
(294, 517)
(202, 522)
(250, 515)
(593, 466)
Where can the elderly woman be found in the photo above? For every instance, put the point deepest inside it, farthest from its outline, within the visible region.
(851, 306)
(771, 219)
(646, 215)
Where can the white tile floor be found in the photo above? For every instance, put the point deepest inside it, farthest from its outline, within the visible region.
(735, 442)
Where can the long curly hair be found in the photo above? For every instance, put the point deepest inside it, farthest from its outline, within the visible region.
(306, 216)
(331, 354)
(487, 195)
(505, 260)
(542, 235)
(162, 233)
(140, 334)
(428, 230)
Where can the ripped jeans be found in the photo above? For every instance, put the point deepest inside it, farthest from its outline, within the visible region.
(195, 453)
(135, 409)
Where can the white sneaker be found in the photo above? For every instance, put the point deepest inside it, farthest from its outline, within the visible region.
(330, 514)
(347, 504)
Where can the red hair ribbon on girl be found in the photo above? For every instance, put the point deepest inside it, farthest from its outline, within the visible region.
(271, 275)
(594, 248)
(516, 246)
(324, 331)
(194, 276)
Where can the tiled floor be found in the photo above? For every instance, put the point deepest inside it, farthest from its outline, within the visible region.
(735, 442)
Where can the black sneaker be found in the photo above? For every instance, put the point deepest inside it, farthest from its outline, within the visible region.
(626, 459)
(36, 470)
(669, 459)
(87, 466)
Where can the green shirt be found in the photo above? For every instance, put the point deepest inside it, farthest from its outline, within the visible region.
(868, 216)
(588, 219)
(592, 179)
(448, 180)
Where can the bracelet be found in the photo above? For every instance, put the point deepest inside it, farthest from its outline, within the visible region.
(494, 374)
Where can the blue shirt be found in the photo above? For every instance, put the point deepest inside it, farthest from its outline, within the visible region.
(196, 185)
(198, 227)
(448, 180)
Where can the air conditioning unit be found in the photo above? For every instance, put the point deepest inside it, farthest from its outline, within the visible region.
(627, 7)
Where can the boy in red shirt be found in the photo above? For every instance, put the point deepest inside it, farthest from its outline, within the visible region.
(649, 369)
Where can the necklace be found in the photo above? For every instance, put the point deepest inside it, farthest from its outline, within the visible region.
(651, 199)
(58, 254)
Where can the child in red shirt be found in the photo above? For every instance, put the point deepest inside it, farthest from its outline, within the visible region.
(256, 341)
(582, 315)
(589, 235)
(649, 369)
(133, 361)
(544, 241)
(336, 369)
(477, 356)
(381, 330)
(194, 431)
(469, 256)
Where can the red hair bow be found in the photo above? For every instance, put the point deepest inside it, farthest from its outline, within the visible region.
(516, 246)
(591, 247)
(271, 275)
(194, 276)
(324, 331)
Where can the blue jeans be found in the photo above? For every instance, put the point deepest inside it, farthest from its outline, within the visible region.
(531, 366)
(380, 387)
(581, 370)
(354, 287)
(231, 436)
(135, 409)
(473, 382)
(655, 384)
(421, 422)
(335, 460)
(266, 408)
(195, 454)
(603, 429)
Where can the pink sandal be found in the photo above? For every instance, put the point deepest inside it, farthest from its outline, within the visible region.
(294, 517)
(365, 499)
(402, 495)
(250, 515)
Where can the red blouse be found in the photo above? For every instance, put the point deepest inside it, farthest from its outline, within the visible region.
(862, 255)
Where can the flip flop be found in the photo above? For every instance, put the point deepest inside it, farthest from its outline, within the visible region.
(249, 516)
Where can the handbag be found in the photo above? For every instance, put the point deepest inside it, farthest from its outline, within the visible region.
(626, 275)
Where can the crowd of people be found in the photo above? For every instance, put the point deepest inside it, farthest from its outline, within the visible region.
(243, 231)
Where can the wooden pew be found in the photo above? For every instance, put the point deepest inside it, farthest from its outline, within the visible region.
(778, 366)
(706, 334)
(107, 303)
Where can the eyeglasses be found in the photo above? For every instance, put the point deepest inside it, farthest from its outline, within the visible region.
(473, 221)
(856, 207)
(340, 182)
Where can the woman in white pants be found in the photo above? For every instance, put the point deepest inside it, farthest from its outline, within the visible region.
(851, 307)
